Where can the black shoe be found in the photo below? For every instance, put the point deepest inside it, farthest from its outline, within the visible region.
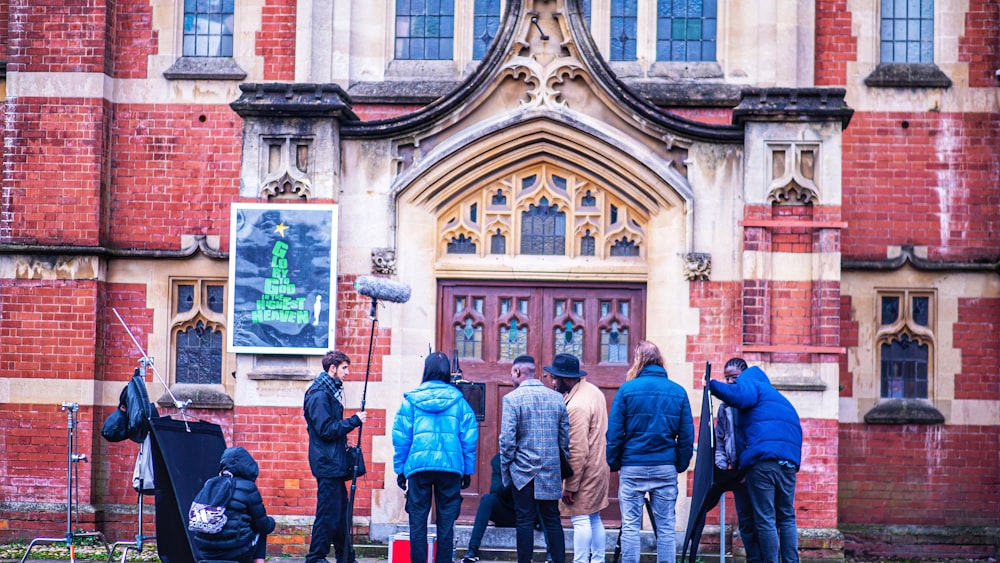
(470, 558)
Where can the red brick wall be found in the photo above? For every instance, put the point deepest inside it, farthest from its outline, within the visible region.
(816, 482)
(919, 475)
(835, 46)
(715, 116)
(4, 28)
(976, 336)
(980, 44)
(133, 39)
(175, 171)
(372, 112)
(950, 180)
(55, 144)
(721, 321)
(57, 36)
(849, 329)
(276, 40)
(48, 330)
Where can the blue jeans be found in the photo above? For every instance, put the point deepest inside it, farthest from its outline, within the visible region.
(330, 524)
(445, 488)
(772, 493)
(527, 509)
(660, 482)
(744, 515)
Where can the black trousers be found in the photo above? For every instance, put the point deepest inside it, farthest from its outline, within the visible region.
(331, 523)
(527, 508)
(444, 489)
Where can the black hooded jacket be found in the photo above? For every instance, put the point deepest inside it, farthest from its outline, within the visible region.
(245, 512)
(328, 431)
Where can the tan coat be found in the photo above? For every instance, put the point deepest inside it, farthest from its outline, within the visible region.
(588, 426)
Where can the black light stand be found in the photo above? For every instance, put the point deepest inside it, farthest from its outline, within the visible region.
(348, 538)
(139, 538)
(71, 458)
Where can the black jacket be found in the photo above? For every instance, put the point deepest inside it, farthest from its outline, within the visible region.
(327, 433)
(245, 512)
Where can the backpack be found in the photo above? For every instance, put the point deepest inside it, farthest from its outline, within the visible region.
(208, 510)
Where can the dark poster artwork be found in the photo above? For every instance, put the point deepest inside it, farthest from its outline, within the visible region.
(282, 275)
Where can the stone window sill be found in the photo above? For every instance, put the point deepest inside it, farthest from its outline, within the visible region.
(904, 411)
(893, 75)
(201, 397)
(205, 68)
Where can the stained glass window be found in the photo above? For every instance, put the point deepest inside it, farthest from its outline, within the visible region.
(624, 23)
(614, 344)
(425, 29)
(686, 30)
(485, 23)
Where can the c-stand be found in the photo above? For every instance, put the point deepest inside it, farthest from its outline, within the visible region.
(144, 450)
(71, 458)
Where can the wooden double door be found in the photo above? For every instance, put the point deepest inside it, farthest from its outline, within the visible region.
(485, 325)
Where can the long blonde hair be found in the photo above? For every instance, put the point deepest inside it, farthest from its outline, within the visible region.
(646, 353)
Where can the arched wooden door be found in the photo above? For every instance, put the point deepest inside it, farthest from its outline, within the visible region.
(487, 324)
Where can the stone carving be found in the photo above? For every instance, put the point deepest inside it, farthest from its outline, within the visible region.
(547, 60)
(384, 261)
(793, 173)
(697, 266)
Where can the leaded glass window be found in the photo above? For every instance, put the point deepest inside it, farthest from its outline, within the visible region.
(904, 369)
(198, 331)
(485, 23)
(587, 244)
(425, 29)
(208, 28)
(461, 245)
(543, 230)
(199, 355)
(905, 341)
(624, 24)
(614, 344)
(624, 247)
(469, 332)
(686, 30)
(907, 33)
(498, 243)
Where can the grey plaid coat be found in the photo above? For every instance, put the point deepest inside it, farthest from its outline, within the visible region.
(533, 429)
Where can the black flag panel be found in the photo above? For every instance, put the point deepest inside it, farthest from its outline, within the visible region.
(185, 455)
(704, 495)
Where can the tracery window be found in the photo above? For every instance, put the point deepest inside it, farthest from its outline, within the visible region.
(905, 340)
(543, 210)
(197, 329)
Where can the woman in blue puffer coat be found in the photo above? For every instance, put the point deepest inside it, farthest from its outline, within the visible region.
(434, 436)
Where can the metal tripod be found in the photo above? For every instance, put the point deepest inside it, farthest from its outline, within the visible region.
(71, 458)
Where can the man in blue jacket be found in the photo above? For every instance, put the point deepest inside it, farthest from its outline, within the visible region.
(324, 411)
(769, 429)
(650, 440)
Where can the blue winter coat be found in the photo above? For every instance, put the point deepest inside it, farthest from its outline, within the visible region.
(650, 423)
(245, 512)
(767, 421)
(434, 430)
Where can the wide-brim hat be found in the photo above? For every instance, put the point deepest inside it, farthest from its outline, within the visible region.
(565, 365)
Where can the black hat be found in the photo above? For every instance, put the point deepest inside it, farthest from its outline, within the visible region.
(565, 365)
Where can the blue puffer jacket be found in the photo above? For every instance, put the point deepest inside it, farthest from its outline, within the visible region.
(245, 512)
(768, 423)
(435, 430)
(650, 423)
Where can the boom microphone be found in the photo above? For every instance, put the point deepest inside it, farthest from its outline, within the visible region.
(382, 289)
